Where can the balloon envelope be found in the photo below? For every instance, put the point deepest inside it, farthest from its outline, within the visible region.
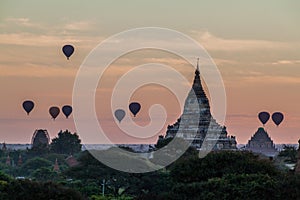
(119, 114)
(264, 117)
(54, 112)
(277, 118)
(134, 107)
(68, 50)
(67, 110)
(28, 106)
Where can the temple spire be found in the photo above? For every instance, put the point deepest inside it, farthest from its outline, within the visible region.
(197, 72)
(56, 166)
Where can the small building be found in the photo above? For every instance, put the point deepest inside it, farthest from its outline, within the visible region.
(71, 161)
(261, 143)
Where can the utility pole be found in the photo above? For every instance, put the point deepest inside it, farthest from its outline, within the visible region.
(103, 187)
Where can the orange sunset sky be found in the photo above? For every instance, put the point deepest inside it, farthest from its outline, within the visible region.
(255, 45)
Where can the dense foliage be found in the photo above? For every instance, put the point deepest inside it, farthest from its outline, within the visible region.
(224, 175)
(28, 190)
(66, 143)
(289, 153)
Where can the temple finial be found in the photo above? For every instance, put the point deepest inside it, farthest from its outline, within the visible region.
(198, 64)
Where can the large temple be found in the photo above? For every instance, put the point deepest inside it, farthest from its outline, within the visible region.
(197, 124)
(261, 143)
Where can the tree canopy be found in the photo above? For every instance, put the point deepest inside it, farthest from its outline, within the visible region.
(66, 143)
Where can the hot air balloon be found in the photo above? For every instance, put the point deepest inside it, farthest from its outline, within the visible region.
(277, 118)
(264, 117)
(119, 114)
(68, 50)
(28, 106)
(67, 110)
(54, 112)
(134, 107)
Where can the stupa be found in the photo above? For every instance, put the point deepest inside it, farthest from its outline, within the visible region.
(261, 143)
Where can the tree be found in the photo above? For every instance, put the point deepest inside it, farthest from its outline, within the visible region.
(44, 174)
(161, 142)
(28, 190)
(66, 143)
(33, 164)
(4, 177)
(91, 172)
(290, 153)
(229, 187)
(218, 164)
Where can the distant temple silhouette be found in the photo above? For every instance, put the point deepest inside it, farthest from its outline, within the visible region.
(261, 143)
(200, 121)
(40, 138)
(4, 148)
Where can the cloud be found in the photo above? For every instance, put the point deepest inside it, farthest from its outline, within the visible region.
(79, 26)
(286, 62)
(42, 40)
(21, 22)
(220, 61)
(239, 116)
(23, 31)
(212, 42)
(35, 70)
(272, 79)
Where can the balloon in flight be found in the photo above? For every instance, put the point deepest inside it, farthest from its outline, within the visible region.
(54, 112)
(28, 106)
(277, 118)
(67, 110)
(134, 107)
(120, 114)
(264, 117)
(68, 50)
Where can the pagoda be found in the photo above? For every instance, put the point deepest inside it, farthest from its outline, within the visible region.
(56, 166)
(261, 143)
(4, 148)
(71, 161)
(197, 124)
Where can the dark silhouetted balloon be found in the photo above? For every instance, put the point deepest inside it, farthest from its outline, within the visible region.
(67, 110)
(68, 50)
(28, 106)
(119, 114)
(277, 118)
(134, 107)
(264, 117)
(54, 112)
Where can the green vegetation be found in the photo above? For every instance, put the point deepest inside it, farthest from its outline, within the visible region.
(224, 175)
(66, 143)
(289, 153)
(28, 190)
